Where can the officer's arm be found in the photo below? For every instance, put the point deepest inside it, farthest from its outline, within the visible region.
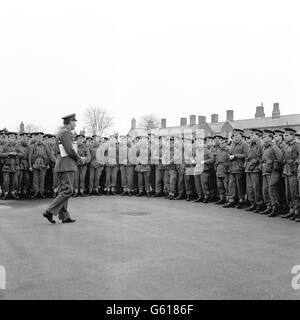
(67, 143)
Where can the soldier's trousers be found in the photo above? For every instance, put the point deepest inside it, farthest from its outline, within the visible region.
(213, 186)
(181, 182)
(284, 193)
(39, 180)
(173, 181)
(222, 184)
(159, 179)
(189, 184)
(167, 181)
(144, 181)
(24, 180)
(236, 186)
(111, 175)
(292, 187)
(254, 187)
(270, 188)
(80, 176)
(202, 184)
(10, 181)
(94, 177)
(59, 206)
(127, 173)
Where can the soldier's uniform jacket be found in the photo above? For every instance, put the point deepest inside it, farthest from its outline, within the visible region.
(272, 159)
(222, 162)
(24, 164)
(84, 152)
(53, 152)
(291, 155)
(68, 163)
(11, 162)
(144, 164)
(93, 153)
(113, 158)
(2, 144)
(209, 162)
(240, 151)
(39, 155)
(254, 157)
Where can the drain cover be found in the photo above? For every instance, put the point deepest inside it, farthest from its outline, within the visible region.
(135, 213)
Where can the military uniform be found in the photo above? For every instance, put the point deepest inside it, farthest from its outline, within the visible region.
(112, 168)
(24, 177)
(95, 170)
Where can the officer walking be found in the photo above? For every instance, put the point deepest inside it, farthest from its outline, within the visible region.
(66, 167)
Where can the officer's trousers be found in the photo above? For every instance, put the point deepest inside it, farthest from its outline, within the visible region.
(144, 181)
(111, 175)
(271, 189)
(236, 186)
(10, 181)
(80, 176)
(127, 173)
(292, 187)
(39, 180)
(254, 187)
(59, 206)
(94, 177)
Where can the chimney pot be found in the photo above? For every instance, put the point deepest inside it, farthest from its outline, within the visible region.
(260, 112)
(201, 121)
(214, 118)
(133, 123)
(276, 111)
(192, 120)
(229, 115)
(183, 122)
(163, 123)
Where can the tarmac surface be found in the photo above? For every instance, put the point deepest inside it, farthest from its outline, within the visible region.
(140, 248)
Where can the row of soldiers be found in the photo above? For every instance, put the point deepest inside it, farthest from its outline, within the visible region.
(257, 172)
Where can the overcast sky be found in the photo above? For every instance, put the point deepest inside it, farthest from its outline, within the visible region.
(171, 58)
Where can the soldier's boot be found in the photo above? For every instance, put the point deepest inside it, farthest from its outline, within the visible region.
(129, 193)
(42, 195)
(124, 193)
(1, 192)
(267, 211)
(113, 191)
(166, 195)
(206, 199)
(157, 195)
(188, 197)
(107, 191)
(240, 204)
(172, 196)
(229, 204)
(140, 194)
(179, 197)
(251, 208)
(82, 193)
(199, 199)
(297, 215)
(222, 200)
(75, 194)
(35, 195)
(289, 214)
(5, 196)
(148, 194)
(14, 195)
(275, 212)
(96, 192)
(259, 208)
(90, 192)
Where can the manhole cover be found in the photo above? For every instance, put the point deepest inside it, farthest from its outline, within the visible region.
(136, 213)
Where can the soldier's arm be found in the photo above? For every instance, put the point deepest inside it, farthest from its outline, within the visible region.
(4, 153)
(67, 143)
(88, 157)
(50, 154)
(211, 158)
(278, 153)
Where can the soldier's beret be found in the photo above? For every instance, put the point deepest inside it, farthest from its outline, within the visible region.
(71, 117)
(88, 138)
(278, 131)
(297, 135)
(218, 136)
(238, 130)
(79, 135)
(23, 134)
(290, 130)
(269, 132)
(257, 131)
(39, 133)
(48, 135)
(245, 136)
(12, 133)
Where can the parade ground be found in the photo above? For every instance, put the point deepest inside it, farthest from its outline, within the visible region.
(140, 248)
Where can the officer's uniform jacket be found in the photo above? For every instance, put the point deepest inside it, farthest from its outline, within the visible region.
(272, 159)
(68, 163)
(240, 151)
(254, 157)
(291, 154)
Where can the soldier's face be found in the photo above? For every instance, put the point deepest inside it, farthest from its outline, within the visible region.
(288, 137)
(12, 138)
(80, 140)
(278, 138)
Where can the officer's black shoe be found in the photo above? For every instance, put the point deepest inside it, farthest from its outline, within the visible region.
(251, 208)
(82, 193)
(49, 217)
(259, 208)
(188, 197)
(267, 211)
(68, 220)
(274, 212)
(199, 199)
(140, 194)
(229, 204)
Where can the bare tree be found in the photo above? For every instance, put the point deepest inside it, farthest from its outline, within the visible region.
(149, 121)
(97, 120)
(30, 127)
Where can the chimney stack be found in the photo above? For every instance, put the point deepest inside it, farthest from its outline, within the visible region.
(214, 118)
(260, 112)
(163, 123)
(150, 125)
(229, 115)
(22, 127)
(133, 123)
(192, 120)
(276, 111)
(183, 122)
(201, 121)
